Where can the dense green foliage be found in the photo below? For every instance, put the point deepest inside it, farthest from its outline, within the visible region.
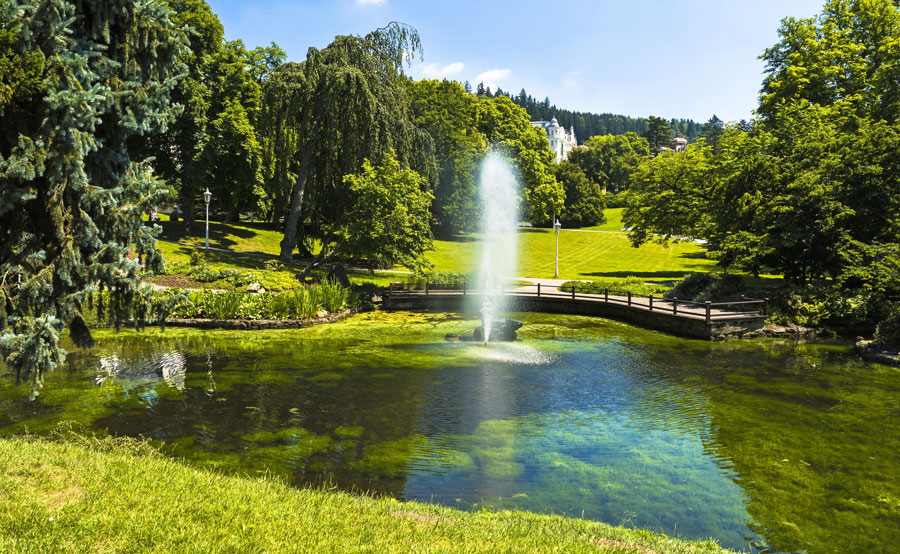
(811, 188)
(590, 124)
(354, 87)
(463, 126)
(387, 224)
(584, 199)
(79, 79)
(214, 142)
(609, 160)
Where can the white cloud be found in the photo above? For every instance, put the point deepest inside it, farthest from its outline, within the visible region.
(369, 2)
(434, 71)
(491, 78)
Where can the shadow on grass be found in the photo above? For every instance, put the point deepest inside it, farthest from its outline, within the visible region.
(217, 233)
(641, 274)
(456, 238)
(701, 255)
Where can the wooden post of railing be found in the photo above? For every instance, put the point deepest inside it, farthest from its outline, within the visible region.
(629, 298)
(708, 311)
(426, 288)
(674, 305)
(651, 302)
(765, 306)
(573, 292)
(465, 284)
(539, 290)
(606, 295)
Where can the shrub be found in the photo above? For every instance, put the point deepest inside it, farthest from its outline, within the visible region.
(888, 330)
(632, 284)
(715, 287)
(196, 258)
(273, 265)
(448, 279)
(615, 200)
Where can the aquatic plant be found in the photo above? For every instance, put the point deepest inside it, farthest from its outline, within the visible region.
(333, 296)
(223, 305)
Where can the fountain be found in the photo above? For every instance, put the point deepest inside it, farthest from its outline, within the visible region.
(499, 194)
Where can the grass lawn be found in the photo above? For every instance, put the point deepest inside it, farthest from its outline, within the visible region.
(582, 254)
(89, 495)
(613, 221)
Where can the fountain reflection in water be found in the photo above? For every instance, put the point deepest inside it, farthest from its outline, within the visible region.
(499, 193)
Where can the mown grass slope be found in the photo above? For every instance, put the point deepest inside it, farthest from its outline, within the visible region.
(592, 253)
(87, 495)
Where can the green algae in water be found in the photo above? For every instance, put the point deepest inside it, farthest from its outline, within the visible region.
(789, 445)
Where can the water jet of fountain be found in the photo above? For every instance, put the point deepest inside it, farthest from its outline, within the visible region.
(499, 191)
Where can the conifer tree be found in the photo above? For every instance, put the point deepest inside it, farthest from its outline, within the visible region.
(95, 73)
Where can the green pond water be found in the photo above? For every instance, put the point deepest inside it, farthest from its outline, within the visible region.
(758, 444)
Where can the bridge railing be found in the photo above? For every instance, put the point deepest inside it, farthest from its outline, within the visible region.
(710, 311)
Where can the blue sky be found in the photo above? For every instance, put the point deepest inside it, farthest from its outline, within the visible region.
(686, 58)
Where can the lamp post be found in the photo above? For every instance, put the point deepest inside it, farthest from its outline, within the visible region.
(557, 227)
(207, 196)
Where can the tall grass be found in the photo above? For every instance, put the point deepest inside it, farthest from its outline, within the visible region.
(333, 296)
(224, 305)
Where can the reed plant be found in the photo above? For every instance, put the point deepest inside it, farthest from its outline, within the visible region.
(223, 305)
(333, 296)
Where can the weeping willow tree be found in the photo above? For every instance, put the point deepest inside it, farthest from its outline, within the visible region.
(77, 79)
(323, 117)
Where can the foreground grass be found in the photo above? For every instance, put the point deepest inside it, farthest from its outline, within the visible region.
(87, 495)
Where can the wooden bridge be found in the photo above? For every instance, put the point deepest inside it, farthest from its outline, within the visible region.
(707, 320)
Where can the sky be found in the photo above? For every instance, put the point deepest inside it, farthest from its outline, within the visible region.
(681, 59)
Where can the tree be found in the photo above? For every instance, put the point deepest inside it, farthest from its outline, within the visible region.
(177, 149)
(609, 160)
(584, 199)
(668, 196)
(658, 134)
(507, 126)
(849, 54)
(343, 104)
(71, 197)
(713, 131)
(229, 163)
(448, 114)
(388, 222)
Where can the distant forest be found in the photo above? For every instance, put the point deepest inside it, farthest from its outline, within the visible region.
(587, 124)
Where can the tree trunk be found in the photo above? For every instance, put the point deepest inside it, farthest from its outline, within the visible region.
(293, 218)
(320, 258)
(187, 207)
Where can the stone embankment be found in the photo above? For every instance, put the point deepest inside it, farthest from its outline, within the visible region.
(792, 331)
(257, 324)
(872, 351)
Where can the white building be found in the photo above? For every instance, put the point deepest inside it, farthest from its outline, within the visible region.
(561, 141)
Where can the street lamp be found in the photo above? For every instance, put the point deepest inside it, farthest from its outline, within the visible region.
(557, 227)
(207, 196)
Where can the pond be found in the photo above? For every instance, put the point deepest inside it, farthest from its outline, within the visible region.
(758, 444)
